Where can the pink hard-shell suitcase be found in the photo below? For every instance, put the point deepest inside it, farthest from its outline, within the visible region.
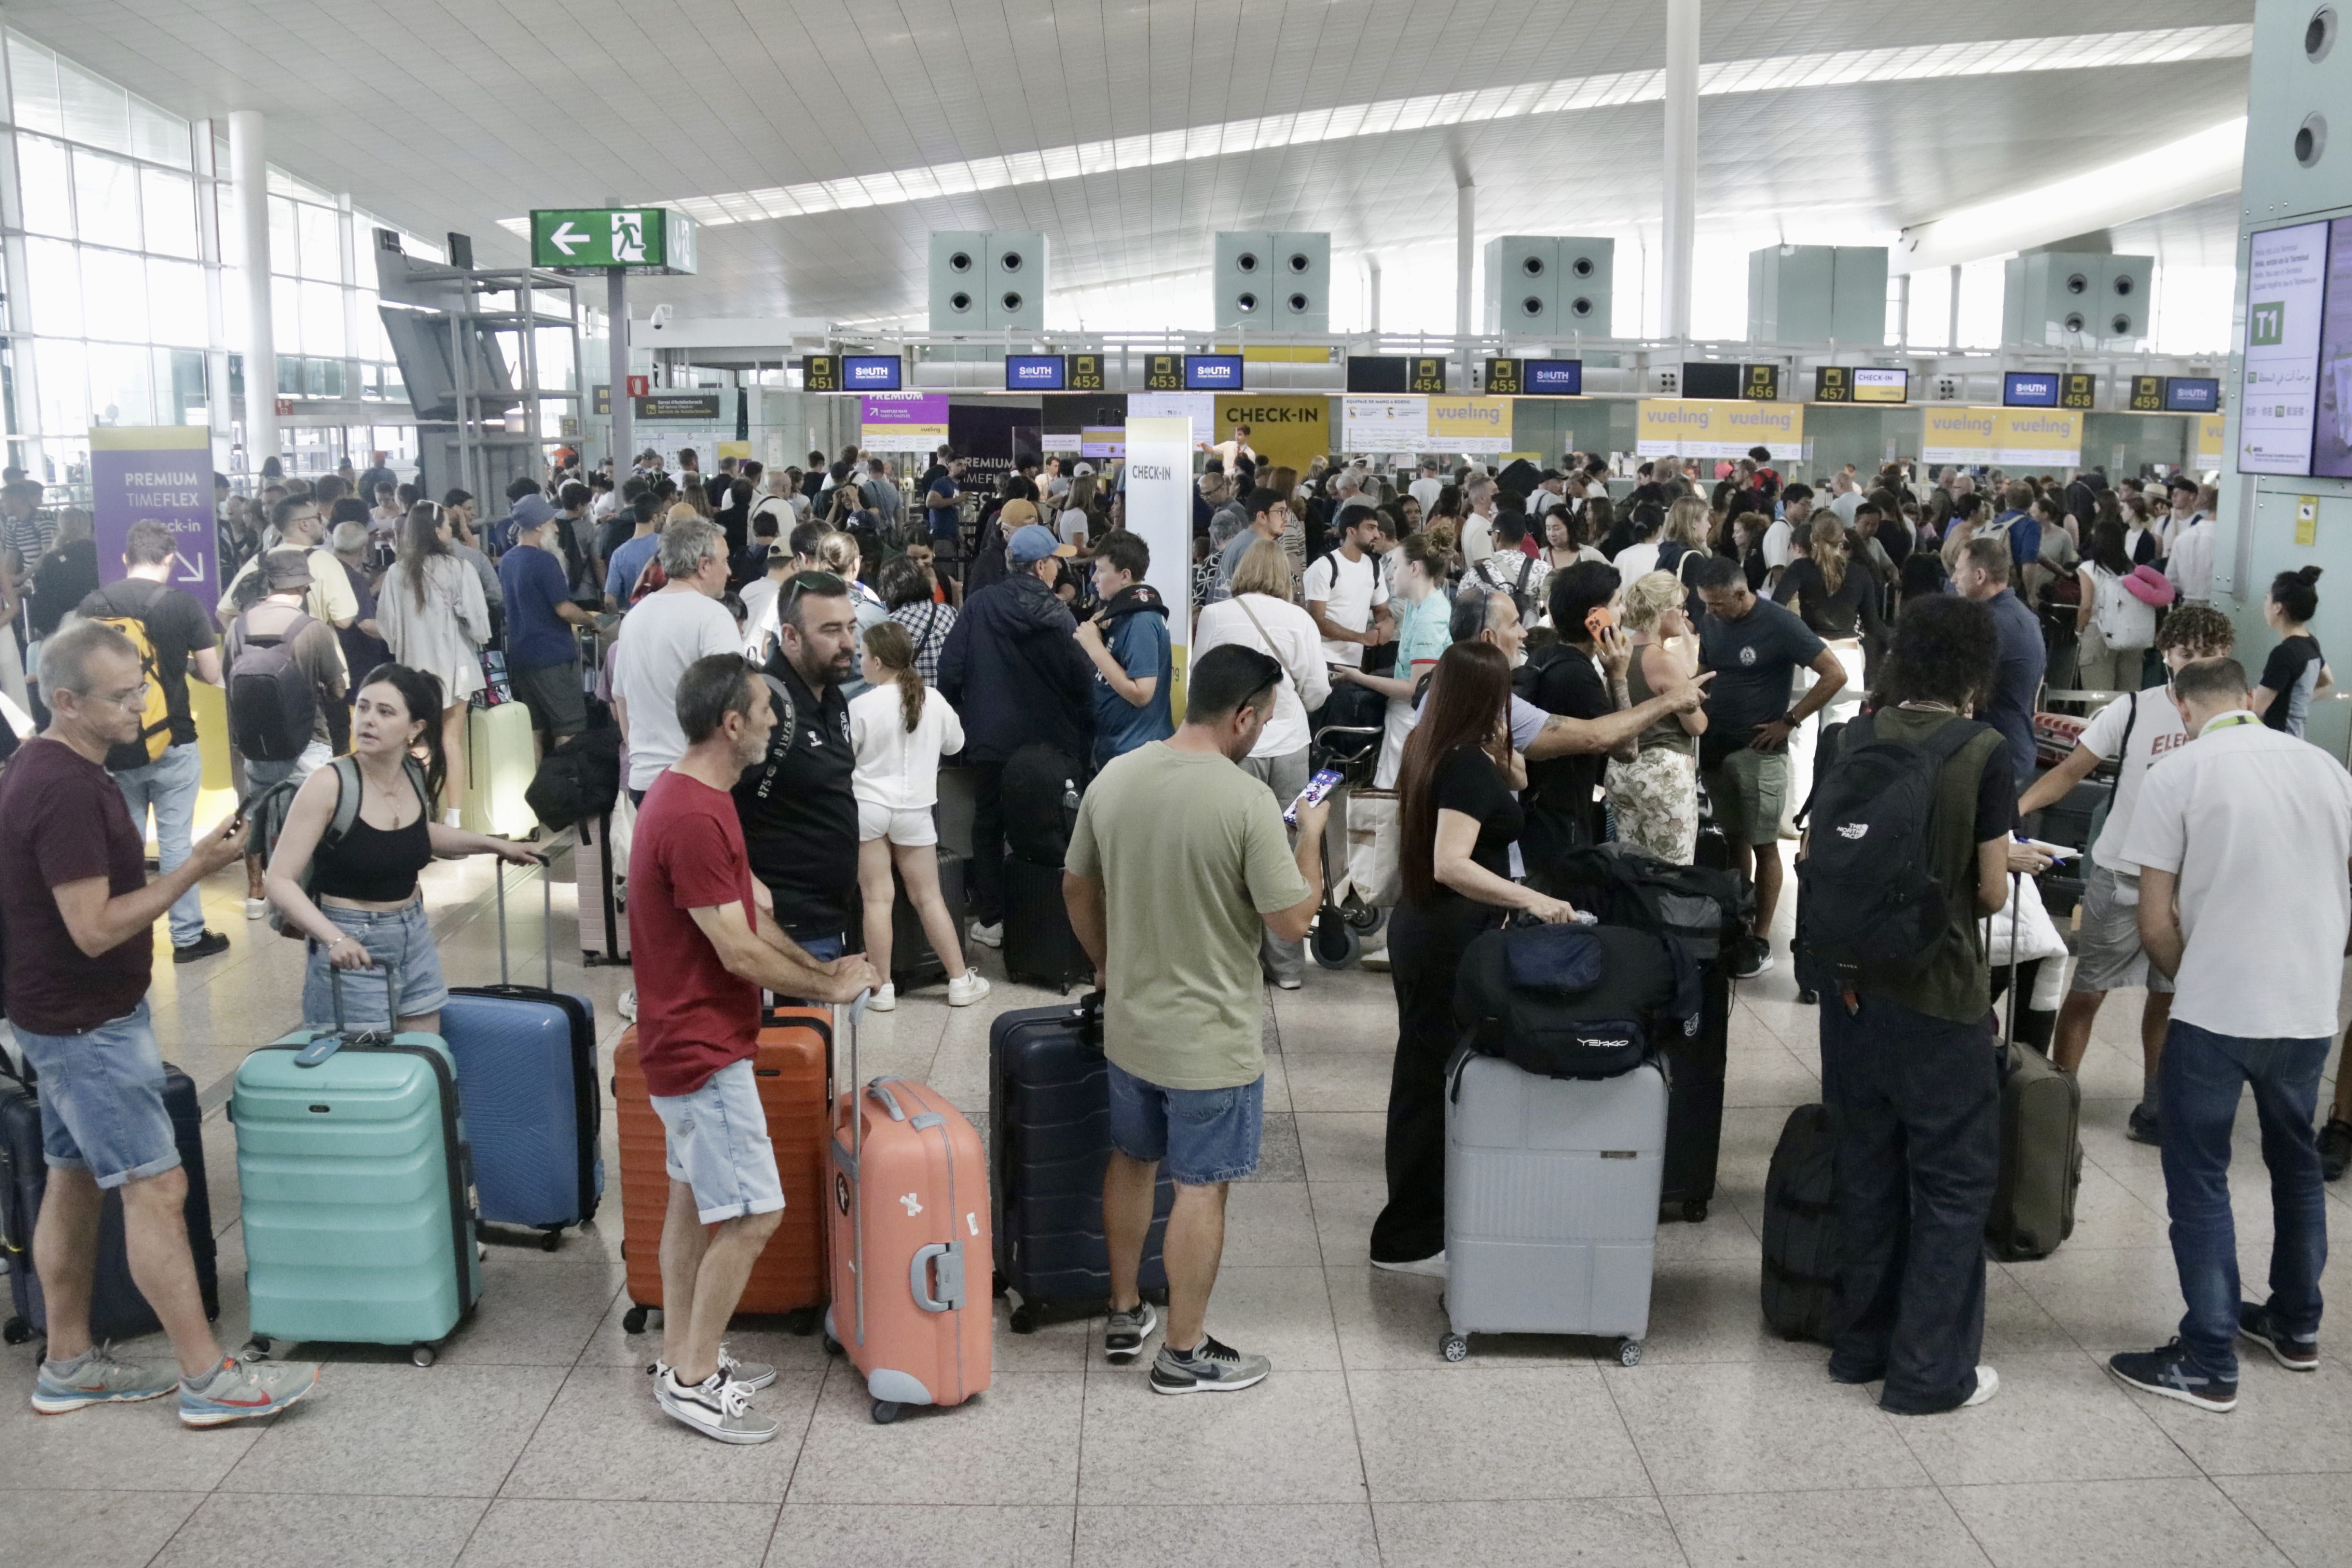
(911, 1242)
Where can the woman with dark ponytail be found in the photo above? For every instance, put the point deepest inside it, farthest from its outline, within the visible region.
(2295, 673)
(355, 897)
(900, 729)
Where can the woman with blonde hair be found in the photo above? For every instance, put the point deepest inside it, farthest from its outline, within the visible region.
(430, 610)
(899, 729)
(1656, 793)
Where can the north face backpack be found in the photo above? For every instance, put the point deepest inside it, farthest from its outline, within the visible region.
(272, 705)
(1870, 904)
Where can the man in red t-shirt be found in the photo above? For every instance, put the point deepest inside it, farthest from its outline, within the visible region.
(706, 940)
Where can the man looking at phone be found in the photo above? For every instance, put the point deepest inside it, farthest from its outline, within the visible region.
(79, 911)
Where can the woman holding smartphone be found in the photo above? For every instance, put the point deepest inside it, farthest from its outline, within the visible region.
(1458, 818)
(363, 909)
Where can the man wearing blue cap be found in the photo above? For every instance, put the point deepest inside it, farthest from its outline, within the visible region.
(1016, 673)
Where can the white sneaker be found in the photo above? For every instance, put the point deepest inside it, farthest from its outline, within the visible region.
(257, 908)
(883, 1001)
(628, 1005)
(1434, 1266)
(716, 1408)
(986, 935)
(966, 989)
(1988, 1384)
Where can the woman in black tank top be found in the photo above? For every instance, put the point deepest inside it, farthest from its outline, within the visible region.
(360, 910)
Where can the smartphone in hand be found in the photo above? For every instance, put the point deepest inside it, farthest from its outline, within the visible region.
(1317, 790)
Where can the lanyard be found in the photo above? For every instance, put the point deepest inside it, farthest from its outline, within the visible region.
(2230, 721)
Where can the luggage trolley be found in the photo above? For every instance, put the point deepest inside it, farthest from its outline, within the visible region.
(1337, 938)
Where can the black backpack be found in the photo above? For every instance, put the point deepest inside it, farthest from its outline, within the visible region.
(1801, 1229)
(1868, 901)
(581, 778)
(272, 705)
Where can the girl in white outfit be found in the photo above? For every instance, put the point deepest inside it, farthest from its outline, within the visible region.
(433, 615)
(900, 729)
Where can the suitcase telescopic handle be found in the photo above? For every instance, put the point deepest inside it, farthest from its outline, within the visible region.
(546, 918)
(320, 1049)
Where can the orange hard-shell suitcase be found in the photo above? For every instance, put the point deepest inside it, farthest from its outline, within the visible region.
(793, 1068)
(911, 1245)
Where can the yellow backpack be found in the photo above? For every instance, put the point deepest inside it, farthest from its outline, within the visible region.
(155, 717)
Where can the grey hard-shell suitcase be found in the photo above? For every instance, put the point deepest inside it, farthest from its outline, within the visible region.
(1551, 1203)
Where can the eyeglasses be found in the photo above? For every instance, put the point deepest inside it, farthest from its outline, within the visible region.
(129, 697)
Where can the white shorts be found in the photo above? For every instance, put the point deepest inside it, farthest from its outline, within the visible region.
(911, 825)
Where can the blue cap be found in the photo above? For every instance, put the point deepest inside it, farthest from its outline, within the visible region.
(1031, 542)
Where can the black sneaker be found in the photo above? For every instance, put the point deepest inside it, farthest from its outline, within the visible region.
(204, 947)
(2142, 1126)
(1207, 1368)
(1754, 957)
(2335, 1147)
(2295, 1356)
(2167, 1371)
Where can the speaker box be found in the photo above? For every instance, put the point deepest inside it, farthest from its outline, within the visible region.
(1273, 281)
(1812, 293)
(987, 279)
(959, 268)
(1548, 285)
(2076, 300)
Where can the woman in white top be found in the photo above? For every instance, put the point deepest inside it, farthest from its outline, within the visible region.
(2113, 627)
(1077, 521)
(1263, 615)
(899, 728)
(431, 613)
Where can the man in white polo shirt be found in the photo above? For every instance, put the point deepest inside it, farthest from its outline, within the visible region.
(1345, 597)
(2243, 838)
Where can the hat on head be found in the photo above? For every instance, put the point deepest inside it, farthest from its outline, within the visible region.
(1033, 542)
(2181, 482)
(1081, 470)
(1014, 513)
(2149, 586)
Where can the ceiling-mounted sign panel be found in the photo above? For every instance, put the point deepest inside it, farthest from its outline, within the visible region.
(651, 240)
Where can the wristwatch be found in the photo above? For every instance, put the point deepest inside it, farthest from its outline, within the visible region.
(1791, 719)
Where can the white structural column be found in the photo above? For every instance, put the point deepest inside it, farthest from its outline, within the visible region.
(1681, 149)
(1372, 290)
(1465, 250)
(249, 184)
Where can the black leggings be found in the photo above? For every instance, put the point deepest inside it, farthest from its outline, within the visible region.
(1424, 951)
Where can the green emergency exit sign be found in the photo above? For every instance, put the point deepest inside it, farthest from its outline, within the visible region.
(596, 239)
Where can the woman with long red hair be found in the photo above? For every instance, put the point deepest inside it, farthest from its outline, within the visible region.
(1457, 819)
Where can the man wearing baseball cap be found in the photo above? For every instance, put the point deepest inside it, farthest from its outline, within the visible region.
(1015, 671)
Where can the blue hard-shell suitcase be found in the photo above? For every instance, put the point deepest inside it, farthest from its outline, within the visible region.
(527, 1079)
(1049, 1134)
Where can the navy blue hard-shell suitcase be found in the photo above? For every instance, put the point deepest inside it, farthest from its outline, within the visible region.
(1049, 1134)
(527, 1081)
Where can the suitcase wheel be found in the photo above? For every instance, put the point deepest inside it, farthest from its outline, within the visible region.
(1695, 1211)
(800, 1321)
(886, 1411)
(552, 1240)
(1453, 1347)
(1366, 921)
(1629, 1352)
(420, 1356)
(1024, 1320)
(832, 1345)
(16, 1331)
(633, 1322)
(1334, 942)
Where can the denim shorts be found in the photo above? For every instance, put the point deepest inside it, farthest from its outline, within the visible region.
(716, 1140)
(1205, 1135)
(402, 938)
(102, 1094)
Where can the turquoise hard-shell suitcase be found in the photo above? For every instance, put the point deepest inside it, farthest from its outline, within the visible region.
(357, 1200)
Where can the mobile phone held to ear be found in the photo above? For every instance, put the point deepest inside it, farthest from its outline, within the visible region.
(1597, 619)
(1317, 790)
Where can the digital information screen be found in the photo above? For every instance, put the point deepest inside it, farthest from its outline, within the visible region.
(1861, 384)
(2030, 389)
(2193, 395)
(1212, 373)
(2331, 440)
(1035, 373)
(1553, 377)
(2286, 290)
(870, 373)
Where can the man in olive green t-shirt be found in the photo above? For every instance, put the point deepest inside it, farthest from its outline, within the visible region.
(1177, 864)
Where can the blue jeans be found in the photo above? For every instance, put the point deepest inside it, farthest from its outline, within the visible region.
(2202, 1076)
(1205, 1135)
(102, 1101)
(825, 949)
(398, 939)
(169, 785)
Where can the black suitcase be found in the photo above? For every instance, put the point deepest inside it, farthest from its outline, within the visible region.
(1039, 946)
(1801, 1229)
(117, 1310)
(1694, 1100)
(1049, 1142)
(913, 961)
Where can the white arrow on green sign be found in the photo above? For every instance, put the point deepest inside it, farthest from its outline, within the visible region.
(596, 239)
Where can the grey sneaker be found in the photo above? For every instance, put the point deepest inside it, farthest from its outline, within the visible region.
(98, 1377)
(239, 1391)
(714, 1407)
(1124, 1333)
(1207, 1368)
(754, 1375)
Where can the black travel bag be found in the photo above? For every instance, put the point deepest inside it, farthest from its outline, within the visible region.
(913, 961)
(1039, 946)
(1565, 1001)
(1801, 1229)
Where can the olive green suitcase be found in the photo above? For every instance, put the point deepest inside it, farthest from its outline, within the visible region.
(2041, 1146)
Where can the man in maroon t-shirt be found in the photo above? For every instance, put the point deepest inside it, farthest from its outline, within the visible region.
(80, 914)
(706, 940)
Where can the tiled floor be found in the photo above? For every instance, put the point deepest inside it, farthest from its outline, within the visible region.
(534, 1439)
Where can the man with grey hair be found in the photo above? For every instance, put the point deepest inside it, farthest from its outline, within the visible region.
(78, 909)
(662, 634)
(1478, 538)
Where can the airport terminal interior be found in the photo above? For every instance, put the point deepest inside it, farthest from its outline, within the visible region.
(1885, 367)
